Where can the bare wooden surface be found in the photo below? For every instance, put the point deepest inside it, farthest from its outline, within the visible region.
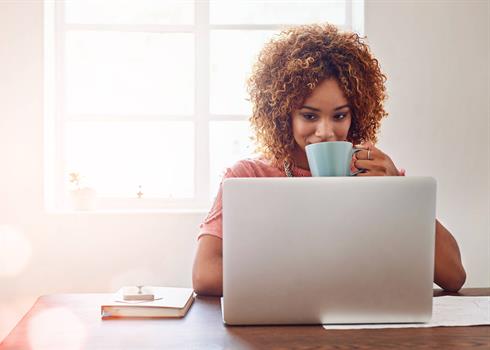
(72, 321)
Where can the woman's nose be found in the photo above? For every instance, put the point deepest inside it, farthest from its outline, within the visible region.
(325, 131)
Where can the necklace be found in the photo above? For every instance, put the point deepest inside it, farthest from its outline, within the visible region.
(287, 169)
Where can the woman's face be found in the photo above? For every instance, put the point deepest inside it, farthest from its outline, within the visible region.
(325, 116)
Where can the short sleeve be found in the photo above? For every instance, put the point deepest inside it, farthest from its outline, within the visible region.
(213, 223)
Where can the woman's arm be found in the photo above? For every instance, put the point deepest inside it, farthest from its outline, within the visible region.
(449, 272)
(207, 272)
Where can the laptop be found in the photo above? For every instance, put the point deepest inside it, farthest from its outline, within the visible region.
(328, 250)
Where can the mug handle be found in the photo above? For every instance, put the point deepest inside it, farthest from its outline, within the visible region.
(354, 151)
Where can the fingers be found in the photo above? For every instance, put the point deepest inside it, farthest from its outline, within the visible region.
(365, 155)
(381, 166)
(370, 166)
(363, 164)
(366, 173)
(368, 159)
(366, 145)
(373, 161)
(368, 151)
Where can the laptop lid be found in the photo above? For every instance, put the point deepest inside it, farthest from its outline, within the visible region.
(328, 250)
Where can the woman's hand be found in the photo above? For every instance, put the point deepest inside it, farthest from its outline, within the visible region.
(373, 161)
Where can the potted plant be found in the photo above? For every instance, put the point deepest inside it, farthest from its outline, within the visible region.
(83, 198)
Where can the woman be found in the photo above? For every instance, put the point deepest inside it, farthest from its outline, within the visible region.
(313, 84)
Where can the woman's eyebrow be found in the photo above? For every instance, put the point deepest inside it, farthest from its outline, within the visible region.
(312, 108)
(340, 107)
(319, 110)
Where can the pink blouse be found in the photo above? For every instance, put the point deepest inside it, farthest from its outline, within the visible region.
(256, 167)
(250, 167)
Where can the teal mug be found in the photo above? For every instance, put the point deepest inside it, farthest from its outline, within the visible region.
(331, 158)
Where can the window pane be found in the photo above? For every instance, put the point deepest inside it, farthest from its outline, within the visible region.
(277, 11)
(229, 142)
(129, 11)
(128, 73)
(233, 52)
(115, 158)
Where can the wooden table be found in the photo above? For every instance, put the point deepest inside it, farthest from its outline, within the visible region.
(72, 321)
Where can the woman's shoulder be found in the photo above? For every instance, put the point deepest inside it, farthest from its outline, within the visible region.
(254, 167)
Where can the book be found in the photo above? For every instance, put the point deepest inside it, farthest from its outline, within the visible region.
(168, 302)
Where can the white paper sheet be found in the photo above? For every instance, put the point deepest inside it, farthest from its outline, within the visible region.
(447, 311)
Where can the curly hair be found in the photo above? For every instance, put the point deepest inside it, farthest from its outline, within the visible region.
(292, 64)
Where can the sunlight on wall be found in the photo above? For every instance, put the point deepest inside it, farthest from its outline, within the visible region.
(69, 331)
(15, 251)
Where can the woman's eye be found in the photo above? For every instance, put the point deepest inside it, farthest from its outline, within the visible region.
(309, 116)
(340, 116)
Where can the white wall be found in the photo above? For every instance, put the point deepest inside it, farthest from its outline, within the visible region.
(435, 55)
(436, 59)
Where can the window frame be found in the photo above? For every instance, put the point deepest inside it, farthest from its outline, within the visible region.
(56, 198)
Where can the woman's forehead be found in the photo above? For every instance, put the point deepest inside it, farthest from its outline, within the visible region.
(327, 94)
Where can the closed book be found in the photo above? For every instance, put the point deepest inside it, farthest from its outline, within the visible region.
(168, 302)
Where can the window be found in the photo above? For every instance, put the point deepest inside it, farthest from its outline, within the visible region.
(146, 99)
